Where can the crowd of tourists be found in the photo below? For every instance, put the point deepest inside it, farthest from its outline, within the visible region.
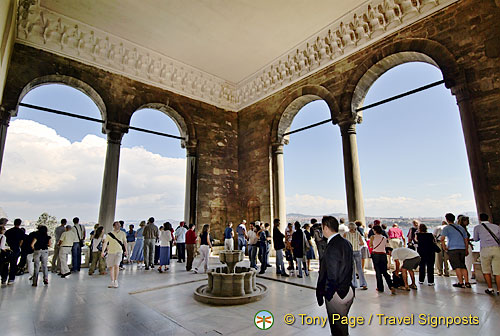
(151, 247)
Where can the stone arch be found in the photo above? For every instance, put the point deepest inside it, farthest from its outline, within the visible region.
(292, 104)
(69, 81)
(186, 129)
(394, 54)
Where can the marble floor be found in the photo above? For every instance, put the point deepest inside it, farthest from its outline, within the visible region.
(150, 303)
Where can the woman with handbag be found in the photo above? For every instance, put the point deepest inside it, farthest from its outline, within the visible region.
(378, 243)
(427, 248)
(97, 258)
(4, 256)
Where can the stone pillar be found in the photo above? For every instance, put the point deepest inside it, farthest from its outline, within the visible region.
(4, 124)
(354, 193)
(477, 170)
(279, 200)
(110, 180)
(191, 186)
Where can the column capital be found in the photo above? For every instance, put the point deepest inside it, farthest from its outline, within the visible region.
(5, 117)
(115, 132)
(277, 147)
(191, 148)
(347, 128)
(461, 92)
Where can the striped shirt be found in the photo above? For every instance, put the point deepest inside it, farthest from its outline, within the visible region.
(353, 238)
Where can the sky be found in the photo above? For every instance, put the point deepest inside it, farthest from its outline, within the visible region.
(411, 152)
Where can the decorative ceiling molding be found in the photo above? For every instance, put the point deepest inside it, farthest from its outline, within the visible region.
(61, 35)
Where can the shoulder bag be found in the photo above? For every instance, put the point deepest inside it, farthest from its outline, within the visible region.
(119, 242)
(491, 233)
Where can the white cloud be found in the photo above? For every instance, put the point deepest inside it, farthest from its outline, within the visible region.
(43, 171)
(383, 206)
(313, 205)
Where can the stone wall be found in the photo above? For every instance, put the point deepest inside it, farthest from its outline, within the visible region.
(212, 132)
(462, 39)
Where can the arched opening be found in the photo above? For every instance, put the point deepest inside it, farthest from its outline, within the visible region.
(315, 104)
(152, 174)
(53, 163)
(412, 152)
(313, 166)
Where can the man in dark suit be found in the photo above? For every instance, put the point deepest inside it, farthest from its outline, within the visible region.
(335, 276)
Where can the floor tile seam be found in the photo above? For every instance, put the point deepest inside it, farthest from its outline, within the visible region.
(286, 282)
(141, 291)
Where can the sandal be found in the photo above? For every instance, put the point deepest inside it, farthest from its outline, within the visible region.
(458, 285)
(413, 286)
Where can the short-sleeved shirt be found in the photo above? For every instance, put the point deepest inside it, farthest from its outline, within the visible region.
(456, 235)
(482, 235)
(404, 253)
(252, 237)
(228, 233)
(79, 230)
(190, 237)
(14, 236)
(130, 236)
(180, 234)
(114, 246)
(58, 232)
(68, 238)
(395, 232)
(97, 244)
(42, 241)
(3, 242)
(241, 230)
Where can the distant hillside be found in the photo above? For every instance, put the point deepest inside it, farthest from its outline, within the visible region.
(293, 217)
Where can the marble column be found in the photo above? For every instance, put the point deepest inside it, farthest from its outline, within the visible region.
(477, 170)
(355, 207)
(191, 186)
(279, 200)
(110, 180)
(4, 124)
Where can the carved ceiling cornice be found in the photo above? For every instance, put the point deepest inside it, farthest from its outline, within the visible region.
(61, 35)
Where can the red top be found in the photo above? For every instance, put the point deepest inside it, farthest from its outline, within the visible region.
(190, 237)
(395, 232)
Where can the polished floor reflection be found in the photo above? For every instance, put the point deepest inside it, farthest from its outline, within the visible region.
(150, 303)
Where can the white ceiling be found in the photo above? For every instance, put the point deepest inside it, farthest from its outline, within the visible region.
(231, 39)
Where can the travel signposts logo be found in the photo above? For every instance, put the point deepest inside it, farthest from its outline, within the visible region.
(264, 320)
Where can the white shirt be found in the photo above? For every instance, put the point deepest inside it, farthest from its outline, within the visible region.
(180, 234)
(165, 238)
(78, 229)
(3, 242)
(404, 253)
(95, 243)
(252, 237)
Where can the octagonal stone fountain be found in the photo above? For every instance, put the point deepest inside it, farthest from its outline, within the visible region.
(230, 285)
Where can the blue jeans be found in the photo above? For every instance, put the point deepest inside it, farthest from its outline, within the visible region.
(76, 257)
(358, 269)
(242, 242)
(280, 266)
(252, 254)
(181, 251)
